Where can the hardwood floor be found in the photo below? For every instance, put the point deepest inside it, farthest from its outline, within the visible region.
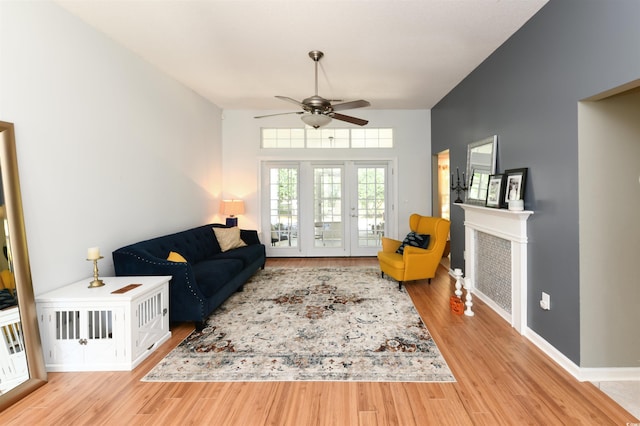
(502, 378)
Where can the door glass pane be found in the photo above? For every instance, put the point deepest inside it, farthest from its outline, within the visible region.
(283, 206)
(327, 196)
(371, 204)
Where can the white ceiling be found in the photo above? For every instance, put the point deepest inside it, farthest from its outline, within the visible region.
(397, 54)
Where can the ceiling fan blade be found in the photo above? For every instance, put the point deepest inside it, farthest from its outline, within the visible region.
(349, 119)
(351, 105)
(293, 101)
(280, 113)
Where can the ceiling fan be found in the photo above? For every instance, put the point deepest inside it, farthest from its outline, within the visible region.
(318, 111)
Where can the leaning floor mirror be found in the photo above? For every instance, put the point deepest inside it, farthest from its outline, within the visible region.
(22, 368)
(481, 163)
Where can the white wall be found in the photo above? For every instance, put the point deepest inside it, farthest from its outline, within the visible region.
(609, 154)
(412, 134)
(110, 151)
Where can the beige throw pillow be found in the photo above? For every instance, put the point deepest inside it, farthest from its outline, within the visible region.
(229, 238)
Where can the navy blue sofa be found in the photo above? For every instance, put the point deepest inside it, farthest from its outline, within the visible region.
(208, 277)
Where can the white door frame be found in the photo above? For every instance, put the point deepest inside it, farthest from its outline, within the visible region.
(305, 235)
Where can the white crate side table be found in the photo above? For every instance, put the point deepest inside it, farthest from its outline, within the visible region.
(93, 329)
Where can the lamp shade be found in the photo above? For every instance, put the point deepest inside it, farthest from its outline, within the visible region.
(316, 119)
(231, 207)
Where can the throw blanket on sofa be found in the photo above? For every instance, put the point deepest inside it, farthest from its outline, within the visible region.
(204, 279)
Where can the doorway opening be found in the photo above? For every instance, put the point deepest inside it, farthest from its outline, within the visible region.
(442, 195)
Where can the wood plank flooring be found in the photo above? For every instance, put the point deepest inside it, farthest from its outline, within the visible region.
(502, 379)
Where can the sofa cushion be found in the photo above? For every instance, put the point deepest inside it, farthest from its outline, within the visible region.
(247, 255)
(211, 275)
(394, 260)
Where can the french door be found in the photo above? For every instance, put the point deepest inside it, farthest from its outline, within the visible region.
(337, 208)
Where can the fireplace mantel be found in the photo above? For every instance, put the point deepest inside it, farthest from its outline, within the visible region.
(507, 225)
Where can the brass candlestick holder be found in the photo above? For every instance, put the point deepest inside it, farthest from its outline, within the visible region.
(96, 281)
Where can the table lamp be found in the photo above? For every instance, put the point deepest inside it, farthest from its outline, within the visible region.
(232, 208)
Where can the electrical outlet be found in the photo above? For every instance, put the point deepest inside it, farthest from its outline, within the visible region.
(545, 302)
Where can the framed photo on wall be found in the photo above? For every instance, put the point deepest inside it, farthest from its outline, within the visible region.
(495, 191)
(515, 184)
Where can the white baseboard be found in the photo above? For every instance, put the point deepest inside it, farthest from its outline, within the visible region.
(610, 374)
(553, 353)
(606, 374)
(493, 305)
(582, 374)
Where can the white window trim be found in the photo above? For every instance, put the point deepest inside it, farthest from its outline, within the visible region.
(306, 138)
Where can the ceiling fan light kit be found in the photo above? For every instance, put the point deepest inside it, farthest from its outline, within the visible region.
(318, 111)
(316, 120)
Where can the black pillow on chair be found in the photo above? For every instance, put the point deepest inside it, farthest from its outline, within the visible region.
(7, 299)
(415, 240)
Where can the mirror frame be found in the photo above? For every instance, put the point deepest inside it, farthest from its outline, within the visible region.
(21, 269)
(493, 141)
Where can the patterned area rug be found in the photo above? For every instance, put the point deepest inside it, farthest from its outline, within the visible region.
(310, 324)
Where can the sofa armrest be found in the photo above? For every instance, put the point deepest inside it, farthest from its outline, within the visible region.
(389, 245)
(419, 262)
(187, 302)
(249, 236)
(134, 262)
(137, 262)
(415, 252)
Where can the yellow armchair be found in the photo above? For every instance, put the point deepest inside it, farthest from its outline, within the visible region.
(415, 263)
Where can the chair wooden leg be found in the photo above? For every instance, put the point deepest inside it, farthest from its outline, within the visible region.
(399, 285)
(381, 274)
(429, 281)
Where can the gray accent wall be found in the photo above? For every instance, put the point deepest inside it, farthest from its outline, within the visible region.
(527, 92)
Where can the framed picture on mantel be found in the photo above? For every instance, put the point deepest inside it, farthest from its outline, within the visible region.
(495, 190)
(515, 184)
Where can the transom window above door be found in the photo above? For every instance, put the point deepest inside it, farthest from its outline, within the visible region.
(326, 138)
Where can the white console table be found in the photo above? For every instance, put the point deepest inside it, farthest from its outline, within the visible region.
(94, 329)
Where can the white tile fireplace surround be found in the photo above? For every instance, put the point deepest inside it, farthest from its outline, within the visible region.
(496, 260)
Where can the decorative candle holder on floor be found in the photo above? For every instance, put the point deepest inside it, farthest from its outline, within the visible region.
(96, 281)
(469, 303)
(455, 301)
(457, 273)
